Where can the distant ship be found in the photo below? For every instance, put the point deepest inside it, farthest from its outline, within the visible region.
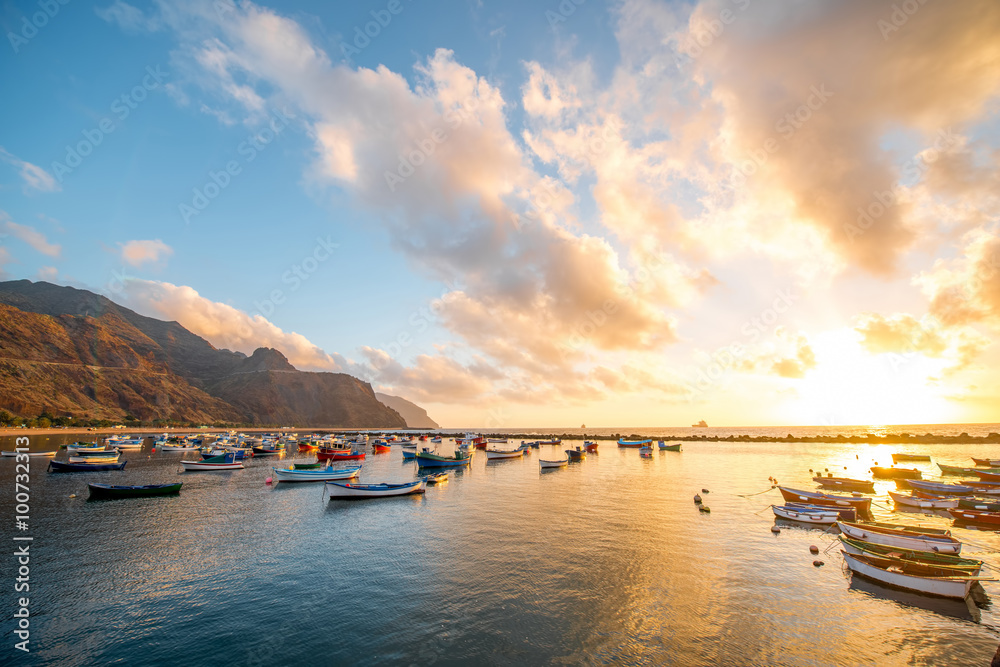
(583, 426)
(701, 424)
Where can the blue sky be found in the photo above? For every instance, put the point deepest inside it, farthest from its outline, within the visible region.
(573, 248)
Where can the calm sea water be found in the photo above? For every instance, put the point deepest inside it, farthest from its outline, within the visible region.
(606, 561)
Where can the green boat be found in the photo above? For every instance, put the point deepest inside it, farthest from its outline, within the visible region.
(982, 505)
(671, 447)
(967, 472)
(308, 466)
(928, 557)
(107, 491)
(428, 459)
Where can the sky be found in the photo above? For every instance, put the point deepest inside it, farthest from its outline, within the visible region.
(635, 213)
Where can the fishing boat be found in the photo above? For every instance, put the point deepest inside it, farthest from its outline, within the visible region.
(860, 504)
(896, 458)
(311, 446)
(179, 447)
(348, 490)
(987, 476)
(976, 516)
(591, 447)
(382, 449)
(267, 451)
(428, 459)
(53, 453)
(845, 513)
(577, 454)
(501, 441)
(436, 478)
(967, 472)
(59, 466)
(552, 441)
(494, 454)
(927, 579)
(822, 517)
(225, 462)
(545, 465)
(846, 483)
(108, 491)
(976, 504)
(85, 446)
(937, 487)
(436, 438)
(106, 458)
(631, 443)
(128, 444)
(409, 454)
(669, 447)
(881, 472)
(307, 466)
(982, 488)
(339, 454)
(902, 539)
(646, 451)
(922, 503)
(94, 453)
(852, 546)
(319, 475)
(987, 463)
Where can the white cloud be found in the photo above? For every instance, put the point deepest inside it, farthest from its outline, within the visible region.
(136, 253)
(31, 236)
(35, 178)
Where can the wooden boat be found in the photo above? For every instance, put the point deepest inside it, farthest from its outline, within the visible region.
(436, 478)
(308, 446)
(436, 438)
(85, 447)
(922, 503)
(339, 454)
(348, 490)
(545, 465)
(591, 447)
(267, 451)
(669, 447)
(967, 472)
(896, 458)
(502, 441)
(970, 565)
(631, 443)
(983, 488)
(428, 459)
(987, 476)
(937, 487)
(382, 449)
(493, 454)
(910, 528)
(182, 447)
(976, 516)
(307, 466)
(52, 453)
(845, 513)
(409, 454)
(551, 441)
(577, 454)
(128, 445)
(986, 463)
(106, 458)
(109, 491)
(861, 505)
(92, 453)
(846, 483)
(881, 472)
(901, 538)
(822, 517)
(225, 462)
(927, 579)
(59, 466)
(976, 504)
(319, 475)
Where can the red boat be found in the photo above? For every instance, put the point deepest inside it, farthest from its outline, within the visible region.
(976, 516)
(307, 447)
(861, 505)
(987, 476)
(423, 437)
(325, 454)
(382, 449)
(591, 447)
(989, 463)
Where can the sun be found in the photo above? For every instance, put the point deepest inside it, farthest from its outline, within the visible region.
(852, 386)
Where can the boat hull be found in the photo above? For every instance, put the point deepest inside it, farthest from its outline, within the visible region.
(428, 460)
(286, 475)
(342, 491)
(858, 547)
(492, 455)
(29, 453)
(922, 503)
(861, 505)
(59, 466)
(976, 516)
(946, 588)
(109, 492)
(202, 465)
(861, 485)
(896, 458)
(913, 541)
(880, 472)
(545, 465)
(804, 516)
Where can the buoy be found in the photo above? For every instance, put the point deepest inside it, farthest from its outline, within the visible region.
(153, 449)
(704, 490)
(704, 508)
(775, 530)
(72, 495)
(814, 549)
(810, 470)
(818, 563)
(697, 499)
(826, 470)
(845, 467)
(267, 481)
(855, 456)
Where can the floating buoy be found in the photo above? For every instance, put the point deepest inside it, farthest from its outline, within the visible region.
(267, 481)
(810, 470)
(697, 499)
(826, 470)
(814, 549)
(845, 467)
(704, 508)
(704, 490)
(855, 456)
(72, 495)
(817, 563)
(775, 530)
(153, 449)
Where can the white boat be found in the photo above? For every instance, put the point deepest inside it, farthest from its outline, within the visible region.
(942, 544)
(825, 518)
(89, 447)
(5, 453)
(502, 441)
(105, 458)
(128, 445)
(923, 503)
(927, 579)
(186, 447)
(553, 464)
(351, 490)
(504, 454)
(319, 475)
(202, 465)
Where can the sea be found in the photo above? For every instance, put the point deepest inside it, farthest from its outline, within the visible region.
(605, 561)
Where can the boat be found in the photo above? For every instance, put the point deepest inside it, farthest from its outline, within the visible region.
(927, 579)
(865, 486)
(669, 447)
(902, 539)
(986, 463)
(409, 454)
(267, 451)
(700, 424)
(881, 472)
(308, 446)
(591, 447)
(428, 459)
(983, 488)
(53, 453)
(646, 451)
(225, 462)
(976, 504)
(59, 466)
(129, 444)
(923, 503)
(92, 453)
(502, 441)
(494, 454)
(987, 476)
(860, 504)
(553, 464)
(348, 490)
(108, 491)
(436, 438)
(107, 458)
(339, 454)
(845, 513)
(822, 517)
(967, 472)
(436, 478)
(631, 443)
(318, 475)
(552, 441)
(937, 487)
(185, 447)
(976, 516)
(381, 448)
(577, 454)
(853, 546)
(306, 466)
(85, 447)
(896, 458)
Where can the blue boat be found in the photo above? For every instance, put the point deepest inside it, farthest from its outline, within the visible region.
(428, 459)
(59, 466)
(409, 454)
(937, 487)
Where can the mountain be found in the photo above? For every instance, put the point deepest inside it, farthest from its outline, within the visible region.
(415, 416)
(73, 352)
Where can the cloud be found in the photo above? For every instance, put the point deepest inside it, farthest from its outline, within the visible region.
(129, 18)
(47, 273)
(31, 236)
(903, 334)
(136, 253)
(35, 178)
(966, 290)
